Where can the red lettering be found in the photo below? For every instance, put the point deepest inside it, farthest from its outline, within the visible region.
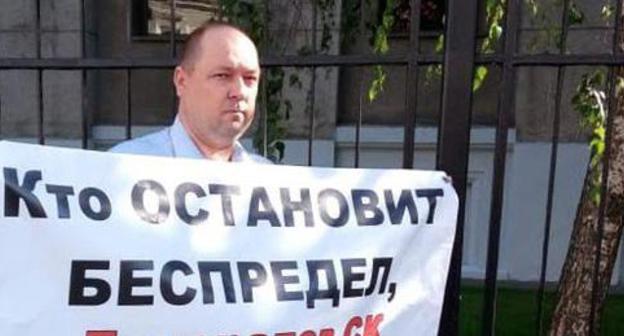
(372, 324)
(308, 333)
(327, 332)
(354, 322)
(290, 333)
(101, 333)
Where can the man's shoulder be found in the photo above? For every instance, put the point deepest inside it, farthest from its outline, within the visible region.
(255, 158)
(157, 143)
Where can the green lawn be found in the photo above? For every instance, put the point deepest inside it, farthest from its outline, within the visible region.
(516, 312)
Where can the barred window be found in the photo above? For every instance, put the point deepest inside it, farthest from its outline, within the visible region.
(153, 17)
(431, 15)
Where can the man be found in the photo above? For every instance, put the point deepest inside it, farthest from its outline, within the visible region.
(217, 84)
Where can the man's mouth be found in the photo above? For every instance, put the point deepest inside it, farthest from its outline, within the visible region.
(235, 110)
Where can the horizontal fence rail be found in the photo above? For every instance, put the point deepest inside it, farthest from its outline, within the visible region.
(517, 60)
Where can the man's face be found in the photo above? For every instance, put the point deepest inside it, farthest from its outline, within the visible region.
(218, 90)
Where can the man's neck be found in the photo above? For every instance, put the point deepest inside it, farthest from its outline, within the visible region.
(210, 151)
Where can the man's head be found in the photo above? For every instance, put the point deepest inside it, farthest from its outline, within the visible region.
(217, 84)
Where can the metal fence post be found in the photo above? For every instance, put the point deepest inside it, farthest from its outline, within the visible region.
(454, 133)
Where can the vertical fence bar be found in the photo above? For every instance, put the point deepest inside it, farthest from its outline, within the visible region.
(40, 131)
(504, 114)
(358, 124)
(128, 103)
(553, 167)
(454, 133)
(265, 94)
(172, 25)
(265, 114)
(172, 46)
(313, 83)
(83, 78)
(411, 92)
(605, 168)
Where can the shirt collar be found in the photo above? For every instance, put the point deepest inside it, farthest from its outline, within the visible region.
(184, 147)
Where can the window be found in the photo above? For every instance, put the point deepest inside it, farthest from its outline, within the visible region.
(153, 17)
(431, 15)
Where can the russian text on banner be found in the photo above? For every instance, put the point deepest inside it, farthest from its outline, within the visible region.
(108, 244)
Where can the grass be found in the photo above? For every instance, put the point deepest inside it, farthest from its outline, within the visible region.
(516, 312)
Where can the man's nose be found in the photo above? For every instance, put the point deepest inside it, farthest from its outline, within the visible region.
(237, 88)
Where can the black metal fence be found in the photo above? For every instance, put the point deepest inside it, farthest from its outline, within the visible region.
(458, 60)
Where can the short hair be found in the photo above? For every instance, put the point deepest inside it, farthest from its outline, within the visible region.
(192, 45)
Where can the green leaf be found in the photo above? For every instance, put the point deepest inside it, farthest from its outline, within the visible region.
(607, 12)
(439, 47)
(600, 132)
(575, 15)
(377, 85)
(533, 7)
(479, 77)
(496, 31)
(619, 86)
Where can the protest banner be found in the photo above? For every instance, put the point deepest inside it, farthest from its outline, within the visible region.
(101, 244)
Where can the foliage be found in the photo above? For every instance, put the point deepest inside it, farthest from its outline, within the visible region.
(589, 101)
(380, 45)
(548, 34)
(607, 11)
(494, 15)
(277, 109)
(251, 15)
(379, 18)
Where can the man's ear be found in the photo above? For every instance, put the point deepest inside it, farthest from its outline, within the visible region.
(179, 79)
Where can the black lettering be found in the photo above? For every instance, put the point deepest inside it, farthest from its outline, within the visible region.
(392, 291)
(78, 281)
(166, 283)
(13, 192)
(226, 192)
(223, 267)
(280, 281)
(325, 196)
(431, 195)
(127, 281)
(378, 263)
(315, 293)
(397, 211)
(259, 198)
(180, 203)
(366, 201)
(84, 198)
(62, 203)
(350, 277)
(138, 192)
(290, 206)
(248, 282)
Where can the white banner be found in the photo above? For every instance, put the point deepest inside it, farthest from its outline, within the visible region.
(100, 244)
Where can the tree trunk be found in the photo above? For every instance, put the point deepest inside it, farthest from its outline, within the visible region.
(573, 308)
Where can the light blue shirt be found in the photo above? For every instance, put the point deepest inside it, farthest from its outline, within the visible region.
(173, 141)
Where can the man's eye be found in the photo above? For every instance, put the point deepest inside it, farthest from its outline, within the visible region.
(251, 78)
(221, 75)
